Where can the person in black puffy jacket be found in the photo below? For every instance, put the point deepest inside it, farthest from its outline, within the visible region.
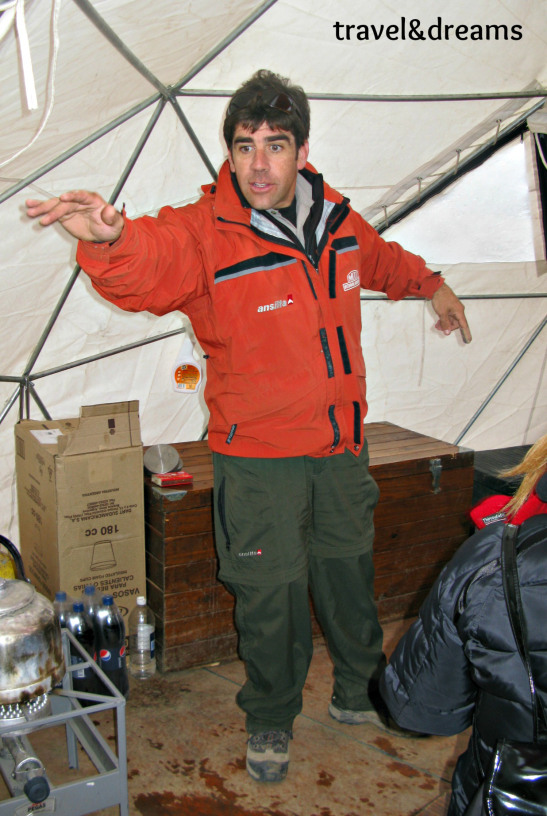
(458, 664)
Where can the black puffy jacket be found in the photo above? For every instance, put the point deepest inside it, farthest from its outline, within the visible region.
(458, 664)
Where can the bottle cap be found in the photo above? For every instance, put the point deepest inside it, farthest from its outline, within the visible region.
(141, 600)
(108, 600)
(89, 590)
(77, 606)
(60, 596)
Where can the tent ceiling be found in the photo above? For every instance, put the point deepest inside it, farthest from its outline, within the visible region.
(122, 122)
(95, 85)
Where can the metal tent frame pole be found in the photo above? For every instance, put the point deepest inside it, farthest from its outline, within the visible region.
(513, 365)
(26, 383)
(109, 34)
(26, 378)
(168, 92)
(501, 381)
(172, 94)
(101, 356)
(349, 97)
(123, 178)
(223, 44)
(477, 157)
(165, 94)
(72, 151)
(490, 296)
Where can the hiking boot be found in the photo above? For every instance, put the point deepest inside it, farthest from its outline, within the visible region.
(344, 715)
(268, 755)
(380, 717)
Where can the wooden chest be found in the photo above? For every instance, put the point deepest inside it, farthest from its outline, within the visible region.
(425, 492)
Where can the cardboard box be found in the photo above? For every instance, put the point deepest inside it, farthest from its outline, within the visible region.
(81, 508)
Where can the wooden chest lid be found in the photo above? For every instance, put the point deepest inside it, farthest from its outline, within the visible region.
(394, 452)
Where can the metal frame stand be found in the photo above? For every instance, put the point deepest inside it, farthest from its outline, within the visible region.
(106, 788)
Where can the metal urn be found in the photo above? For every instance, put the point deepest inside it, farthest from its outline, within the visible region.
(31, 652)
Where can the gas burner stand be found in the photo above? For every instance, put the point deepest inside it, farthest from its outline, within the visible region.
(106, 788)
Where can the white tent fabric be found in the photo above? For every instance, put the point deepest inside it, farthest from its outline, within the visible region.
(149, 113)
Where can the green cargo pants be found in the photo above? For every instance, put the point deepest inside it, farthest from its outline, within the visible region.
(284, 527)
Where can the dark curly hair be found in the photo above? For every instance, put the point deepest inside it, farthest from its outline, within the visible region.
(268, 97)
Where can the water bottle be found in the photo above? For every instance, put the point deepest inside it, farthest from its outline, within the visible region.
(142, 624)
(81, 626)
(63, 607)
(110, 632)
(90, 601)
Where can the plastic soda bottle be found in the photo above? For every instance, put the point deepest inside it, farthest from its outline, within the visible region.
(142, 629)
(90, 601)
(63, 607)
(110, 644)
(81, 626)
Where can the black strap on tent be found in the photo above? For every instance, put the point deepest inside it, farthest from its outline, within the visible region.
(542, 179)
(514, 132)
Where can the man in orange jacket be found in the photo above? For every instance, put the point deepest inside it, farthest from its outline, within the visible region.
(268, 266)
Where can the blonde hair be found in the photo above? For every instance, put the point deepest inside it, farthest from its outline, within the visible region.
(533, 466)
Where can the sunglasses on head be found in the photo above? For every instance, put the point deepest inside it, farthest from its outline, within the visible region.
(278, 101)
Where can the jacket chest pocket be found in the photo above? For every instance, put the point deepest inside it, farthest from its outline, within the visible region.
(264, 288)
(343, 269)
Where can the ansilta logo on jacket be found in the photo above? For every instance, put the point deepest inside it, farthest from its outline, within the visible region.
(279, 304)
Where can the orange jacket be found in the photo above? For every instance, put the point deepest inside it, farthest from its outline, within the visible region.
(280, 324)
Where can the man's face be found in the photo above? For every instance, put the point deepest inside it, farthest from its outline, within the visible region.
(266, 164)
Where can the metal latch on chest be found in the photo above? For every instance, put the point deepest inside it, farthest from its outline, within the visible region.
(436, 467)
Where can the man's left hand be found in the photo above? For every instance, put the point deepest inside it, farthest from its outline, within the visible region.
(451, 312)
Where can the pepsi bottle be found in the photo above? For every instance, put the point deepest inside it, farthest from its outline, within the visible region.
(110, 632)
(81, 626)
(63, 607)
(90, 601)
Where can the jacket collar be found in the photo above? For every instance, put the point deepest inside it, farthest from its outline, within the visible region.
(230, 205)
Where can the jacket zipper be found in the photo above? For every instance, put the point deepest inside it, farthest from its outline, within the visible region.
(326, 352)
(336, 217)
(335, 429)
(338, 214)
